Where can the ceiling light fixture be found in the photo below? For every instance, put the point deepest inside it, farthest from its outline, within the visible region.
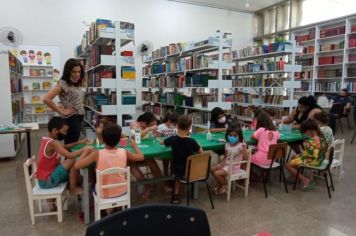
(247, 3)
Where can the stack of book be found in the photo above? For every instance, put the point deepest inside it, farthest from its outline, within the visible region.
(273, 99)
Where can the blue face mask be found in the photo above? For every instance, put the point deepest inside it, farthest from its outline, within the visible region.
(232, 139)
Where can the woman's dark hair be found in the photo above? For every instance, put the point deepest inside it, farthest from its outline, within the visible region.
(265, 121)
(67, 70)
(215, 114)
(257, 112)
(307, 101)
(322, 117)
(172, 117)
(56, 122)
(147, 117)
(271, 112)
(234, 128)
(112, 134)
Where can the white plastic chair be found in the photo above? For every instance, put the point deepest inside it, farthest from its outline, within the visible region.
(338, 157)
(241, 174)
(106, 203)
(35, 193)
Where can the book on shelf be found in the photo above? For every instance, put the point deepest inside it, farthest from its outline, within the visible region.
(351, 72)
(330, 73)
(267, 65)
(36, 85)
(333, 86)
(36, 99)
(128, 72)
(305, 37)
(352, 41)
(334, 31)
(46, 85)
(329, 60)
(260, 50)
(37, 72)
(273, 99)
(351, 86)
(332, 46)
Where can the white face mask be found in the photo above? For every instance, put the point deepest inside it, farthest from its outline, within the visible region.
(222, 120)
(73, 81)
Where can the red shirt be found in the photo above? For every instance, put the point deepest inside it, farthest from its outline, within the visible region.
(46, 164)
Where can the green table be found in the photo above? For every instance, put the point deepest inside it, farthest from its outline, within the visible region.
(153, 149)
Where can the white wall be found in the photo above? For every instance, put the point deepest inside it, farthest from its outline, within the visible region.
(51, 22)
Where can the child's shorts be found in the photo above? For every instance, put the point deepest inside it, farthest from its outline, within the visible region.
(59, 175)
(296, 162)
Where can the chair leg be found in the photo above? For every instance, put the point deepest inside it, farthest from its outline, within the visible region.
(327, 183)
(247, 184)
(296, 178)
(59, 209)
(339, 170)
(32, 210)
(97, 211)
(290, 151)
(340, 124)
(211, 199)
(348, 122)
(280, 175)
(188, 194)
(353, 137)
(284, 179)
(228, 190)
(65, 205)
(331, 180)
(264, 182)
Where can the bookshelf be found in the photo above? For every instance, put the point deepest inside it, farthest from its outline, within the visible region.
(329, 58)
(263, 77)
(107, 53)
(188, 78)
(37, 81)
(11, 111)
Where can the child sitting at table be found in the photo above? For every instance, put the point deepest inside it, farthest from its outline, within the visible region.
(110, 157)
(254, 120)
(315, 148)
(322, 118)
(266, 134)
(103, 122)
(167, 129)
(218, 121)
(50, 171)
(235, 144)
(182, 147)
(146, 123)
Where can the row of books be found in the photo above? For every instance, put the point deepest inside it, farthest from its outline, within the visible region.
(305, 61)
(332, 31)
(17, 106)
(237, 110)
(352, 41)
(330, 73)
(200, 100)
(305, 87)
(351, 72)
(266, 66)
(303, 75)
(305, 37)
(273, 99)
(46, 85)
(309, 49)
(334, 86)
(263, 81)
(94, 79)
(167, 50)
(240, 97)
(14, 64)
(332, 46)
(352, 57)
(329, 60)
(258, 50)
(351, 86)
(95, 101)
(15, 83)
(96, 53)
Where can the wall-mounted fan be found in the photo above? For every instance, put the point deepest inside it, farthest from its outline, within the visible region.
(11, 37)
(145, 48)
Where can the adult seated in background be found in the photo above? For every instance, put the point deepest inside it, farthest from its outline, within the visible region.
(342, 98)
(218, 121)
(341, 107)
(306, 109)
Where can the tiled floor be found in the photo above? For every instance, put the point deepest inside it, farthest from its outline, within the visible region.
(296, 213)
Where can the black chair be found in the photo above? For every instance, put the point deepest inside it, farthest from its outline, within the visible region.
(158, 220)
(338, 111)
(324, 168)
(353, 137)
(276, 153)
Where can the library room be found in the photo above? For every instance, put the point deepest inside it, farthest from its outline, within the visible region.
(180, 118)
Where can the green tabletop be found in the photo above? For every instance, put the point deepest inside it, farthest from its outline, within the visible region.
(153, 149)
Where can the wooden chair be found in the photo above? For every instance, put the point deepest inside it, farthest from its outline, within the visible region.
(197, 170)
(153, 219)
(276, 153)
(35, 193)
(106, 203)
(241, 174)
(324, 168)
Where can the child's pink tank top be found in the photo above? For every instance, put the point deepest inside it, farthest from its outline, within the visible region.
(109, 159)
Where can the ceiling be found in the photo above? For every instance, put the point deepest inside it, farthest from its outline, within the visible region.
(234, 5)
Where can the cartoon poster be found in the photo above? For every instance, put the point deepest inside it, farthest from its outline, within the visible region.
(42, 55)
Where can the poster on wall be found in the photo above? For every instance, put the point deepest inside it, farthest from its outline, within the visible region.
(45, 55)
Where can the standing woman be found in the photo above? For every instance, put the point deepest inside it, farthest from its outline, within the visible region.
(70, 96)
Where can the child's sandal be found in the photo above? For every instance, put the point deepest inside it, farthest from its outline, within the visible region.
(222, 190)
(175, 199)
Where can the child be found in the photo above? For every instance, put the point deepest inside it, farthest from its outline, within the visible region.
(167, 129)
(110, 157)
(50, 171)
(146, 122)
(169, 126)
(103, 122)
(315, 148)
(266, 135)
(182, 147)
(322, 118)
(234, 143)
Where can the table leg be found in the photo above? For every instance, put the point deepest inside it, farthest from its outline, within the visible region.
(195, 190)
(28, 139)
(85, 198)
